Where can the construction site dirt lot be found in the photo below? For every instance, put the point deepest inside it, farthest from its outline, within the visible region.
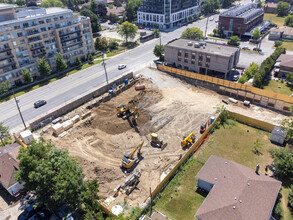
(169, 107)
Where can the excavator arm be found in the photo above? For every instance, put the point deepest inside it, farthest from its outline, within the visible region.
(138, 147)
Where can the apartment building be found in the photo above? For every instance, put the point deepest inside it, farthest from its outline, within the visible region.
(201, 57)
(240, 19)
(164, 14)
(28, 34)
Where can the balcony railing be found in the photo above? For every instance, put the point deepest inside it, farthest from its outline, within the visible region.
(70, 32)
(6, 57)
(71, 38)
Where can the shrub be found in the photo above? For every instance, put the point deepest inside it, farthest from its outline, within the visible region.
(242, 79)
(278, 43)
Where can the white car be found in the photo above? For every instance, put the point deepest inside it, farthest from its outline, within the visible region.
(121, 66)
(211, 18)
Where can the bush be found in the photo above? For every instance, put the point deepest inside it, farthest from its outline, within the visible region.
(242, 79)
(290, 197)
(278, 43)
(113, 45)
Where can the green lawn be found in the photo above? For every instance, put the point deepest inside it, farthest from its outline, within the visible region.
(31, 88)
(185, 203)
(288, 214)
(274, 87)
(288, 45)
(117, 51)
(274, 19)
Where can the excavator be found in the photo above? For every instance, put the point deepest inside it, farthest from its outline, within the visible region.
(128, 161)
(126, 111)
(188, 140)
(203, 127)
(156, 141)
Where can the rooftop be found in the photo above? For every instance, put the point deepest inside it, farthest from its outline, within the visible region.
(243, 11)
(5, 6)
(286, 60)
(237, 193)
(284, 29)
(8, 166)
(212, 48)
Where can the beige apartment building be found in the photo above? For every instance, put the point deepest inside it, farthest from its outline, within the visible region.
(28, 34)
(201, 57)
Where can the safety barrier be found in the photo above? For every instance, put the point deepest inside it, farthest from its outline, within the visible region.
(226, 83)
(252, 122)
(191, 150)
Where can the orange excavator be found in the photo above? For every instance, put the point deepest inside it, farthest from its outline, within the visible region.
(203, 127)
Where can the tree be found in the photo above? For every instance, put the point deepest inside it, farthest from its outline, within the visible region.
(234, 41)
(93, 17)
(102, 10)
(243, 79)
(90, 58)
(256, 34)
(283, 162)
(288, 124)
(227, 3)
(90, 200)
(4, 134)
(44, 67)
(289, 21)
(282, 8)
(257, 147)
(20, 2)
(289, 77)
(156, 32)
(4, 87)
(192, 33)
(77, 62)
(127, 30)
(113, 45)
(101, 43)
(51, 3)
(55, 177)
(117, 3)
(159, 51)
(131, 9)
(210, 6)
(278, 43)
(113, 18)
(60, 63)
(27, 76)
(290, 197)
(94, 6)
(260, 4)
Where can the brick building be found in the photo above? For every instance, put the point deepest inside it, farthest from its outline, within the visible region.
(240, 19)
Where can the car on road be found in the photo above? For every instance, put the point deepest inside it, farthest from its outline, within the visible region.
(211, 18)
(257, 49)
(216, 21)
(121, 66)
(40, 103)
(236, 77)
(224, 43)
(245, 48)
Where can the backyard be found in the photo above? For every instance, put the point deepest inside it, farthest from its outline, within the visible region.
(184, 203)
(274, 18)
(273, 85)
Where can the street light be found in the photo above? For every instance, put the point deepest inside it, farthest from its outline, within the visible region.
(17, 101)
(104, 64)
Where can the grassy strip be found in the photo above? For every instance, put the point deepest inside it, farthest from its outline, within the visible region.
(48, 81)
(273, 85)
(116, 52)
(184, 203)
(288, 45)
(250, 51)
(274, 18)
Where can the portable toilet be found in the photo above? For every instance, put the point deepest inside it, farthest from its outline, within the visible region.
(278, 135)
(26, 136)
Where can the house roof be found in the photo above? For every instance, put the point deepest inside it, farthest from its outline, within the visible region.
(116, 10)
(284, 29)
(286, 60)
(8, 166)
(271, 5)
(12, 149)
(238, 192)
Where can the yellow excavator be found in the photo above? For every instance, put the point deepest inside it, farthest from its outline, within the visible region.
(188, 140)
(128, 160)
(156, 141)
(126, 111)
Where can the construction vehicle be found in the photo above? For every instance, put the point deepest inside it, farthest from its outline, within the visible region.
(129, 184)
(126, 111)
(128, 160)
(188, 140)
(203, 127)
(156, 141)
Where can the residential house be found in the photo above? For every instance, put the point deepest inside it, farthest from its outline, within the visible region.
(236, 192)
(281, 33)
(285, 64)
(270, 7)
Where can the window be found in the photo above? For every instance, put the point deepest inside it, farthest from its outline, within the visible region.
(19, 34)
(193, 56)
(179, 55)
(25, 24)
(200, 59)
(41, 22)
(208, 60)
(43, 29)
(48, 20)
(186, 57)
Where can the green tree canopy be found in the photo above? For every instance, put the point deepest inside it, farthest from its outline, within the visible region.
(234, 41)
(282, 8)
(4, 87)
(101, 43)
(210, 6)
(283, 161)
(102, 10)
(77, 62)
(20, 2)
(60, 63)
(289, 21)
(131, 9)
(278, 43)
(159, 51)
(192, 33)
(256, 34)
(93, 17)
(90, 58)
(94, 6)
(113, 45)
(27, 76)
(52, 3)
(127, 30)
(290, 197)
(113, 18)
(44, 67)
(117, 3)
(4, 134)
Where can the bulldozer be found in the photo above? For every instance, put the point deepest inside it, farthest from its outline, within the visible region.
(128, 160)
(156, 141)
(126, 111)
(188, 140)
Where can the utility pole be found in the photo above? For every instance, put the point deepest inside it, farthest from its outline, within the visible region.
(205, 33)
(104, 64)
(16, 101)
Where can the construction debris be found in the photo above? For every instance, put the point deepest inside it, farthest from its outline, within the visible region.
(129, 184)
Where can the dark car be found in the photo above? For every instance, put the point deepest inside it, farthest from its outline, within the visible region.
(257, 49)
(40, 103)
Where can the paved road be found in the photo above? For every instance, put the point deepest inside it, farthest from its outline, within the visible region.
(69, 87)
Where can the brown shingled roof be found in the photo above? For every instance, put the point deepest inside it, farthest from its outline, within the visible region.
(238, 192)
(8, 166)
(286, 60)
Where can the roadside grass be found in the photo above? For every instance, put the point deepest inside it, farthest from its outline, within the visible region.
(48, 81)
(288, 214)
(120, 49)
(217, 38)
(288, 45)
(274, 18)
(185, 203)
(250, 51)
(273, 85)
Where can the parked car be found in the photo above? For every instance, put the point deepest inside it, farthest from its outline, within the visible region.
(257, 49)
(224, 43)
(236, 77)
(121, 66)
(40, 103)
(140, 27)
(245, 48)
(216, 21)
(211, 18)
